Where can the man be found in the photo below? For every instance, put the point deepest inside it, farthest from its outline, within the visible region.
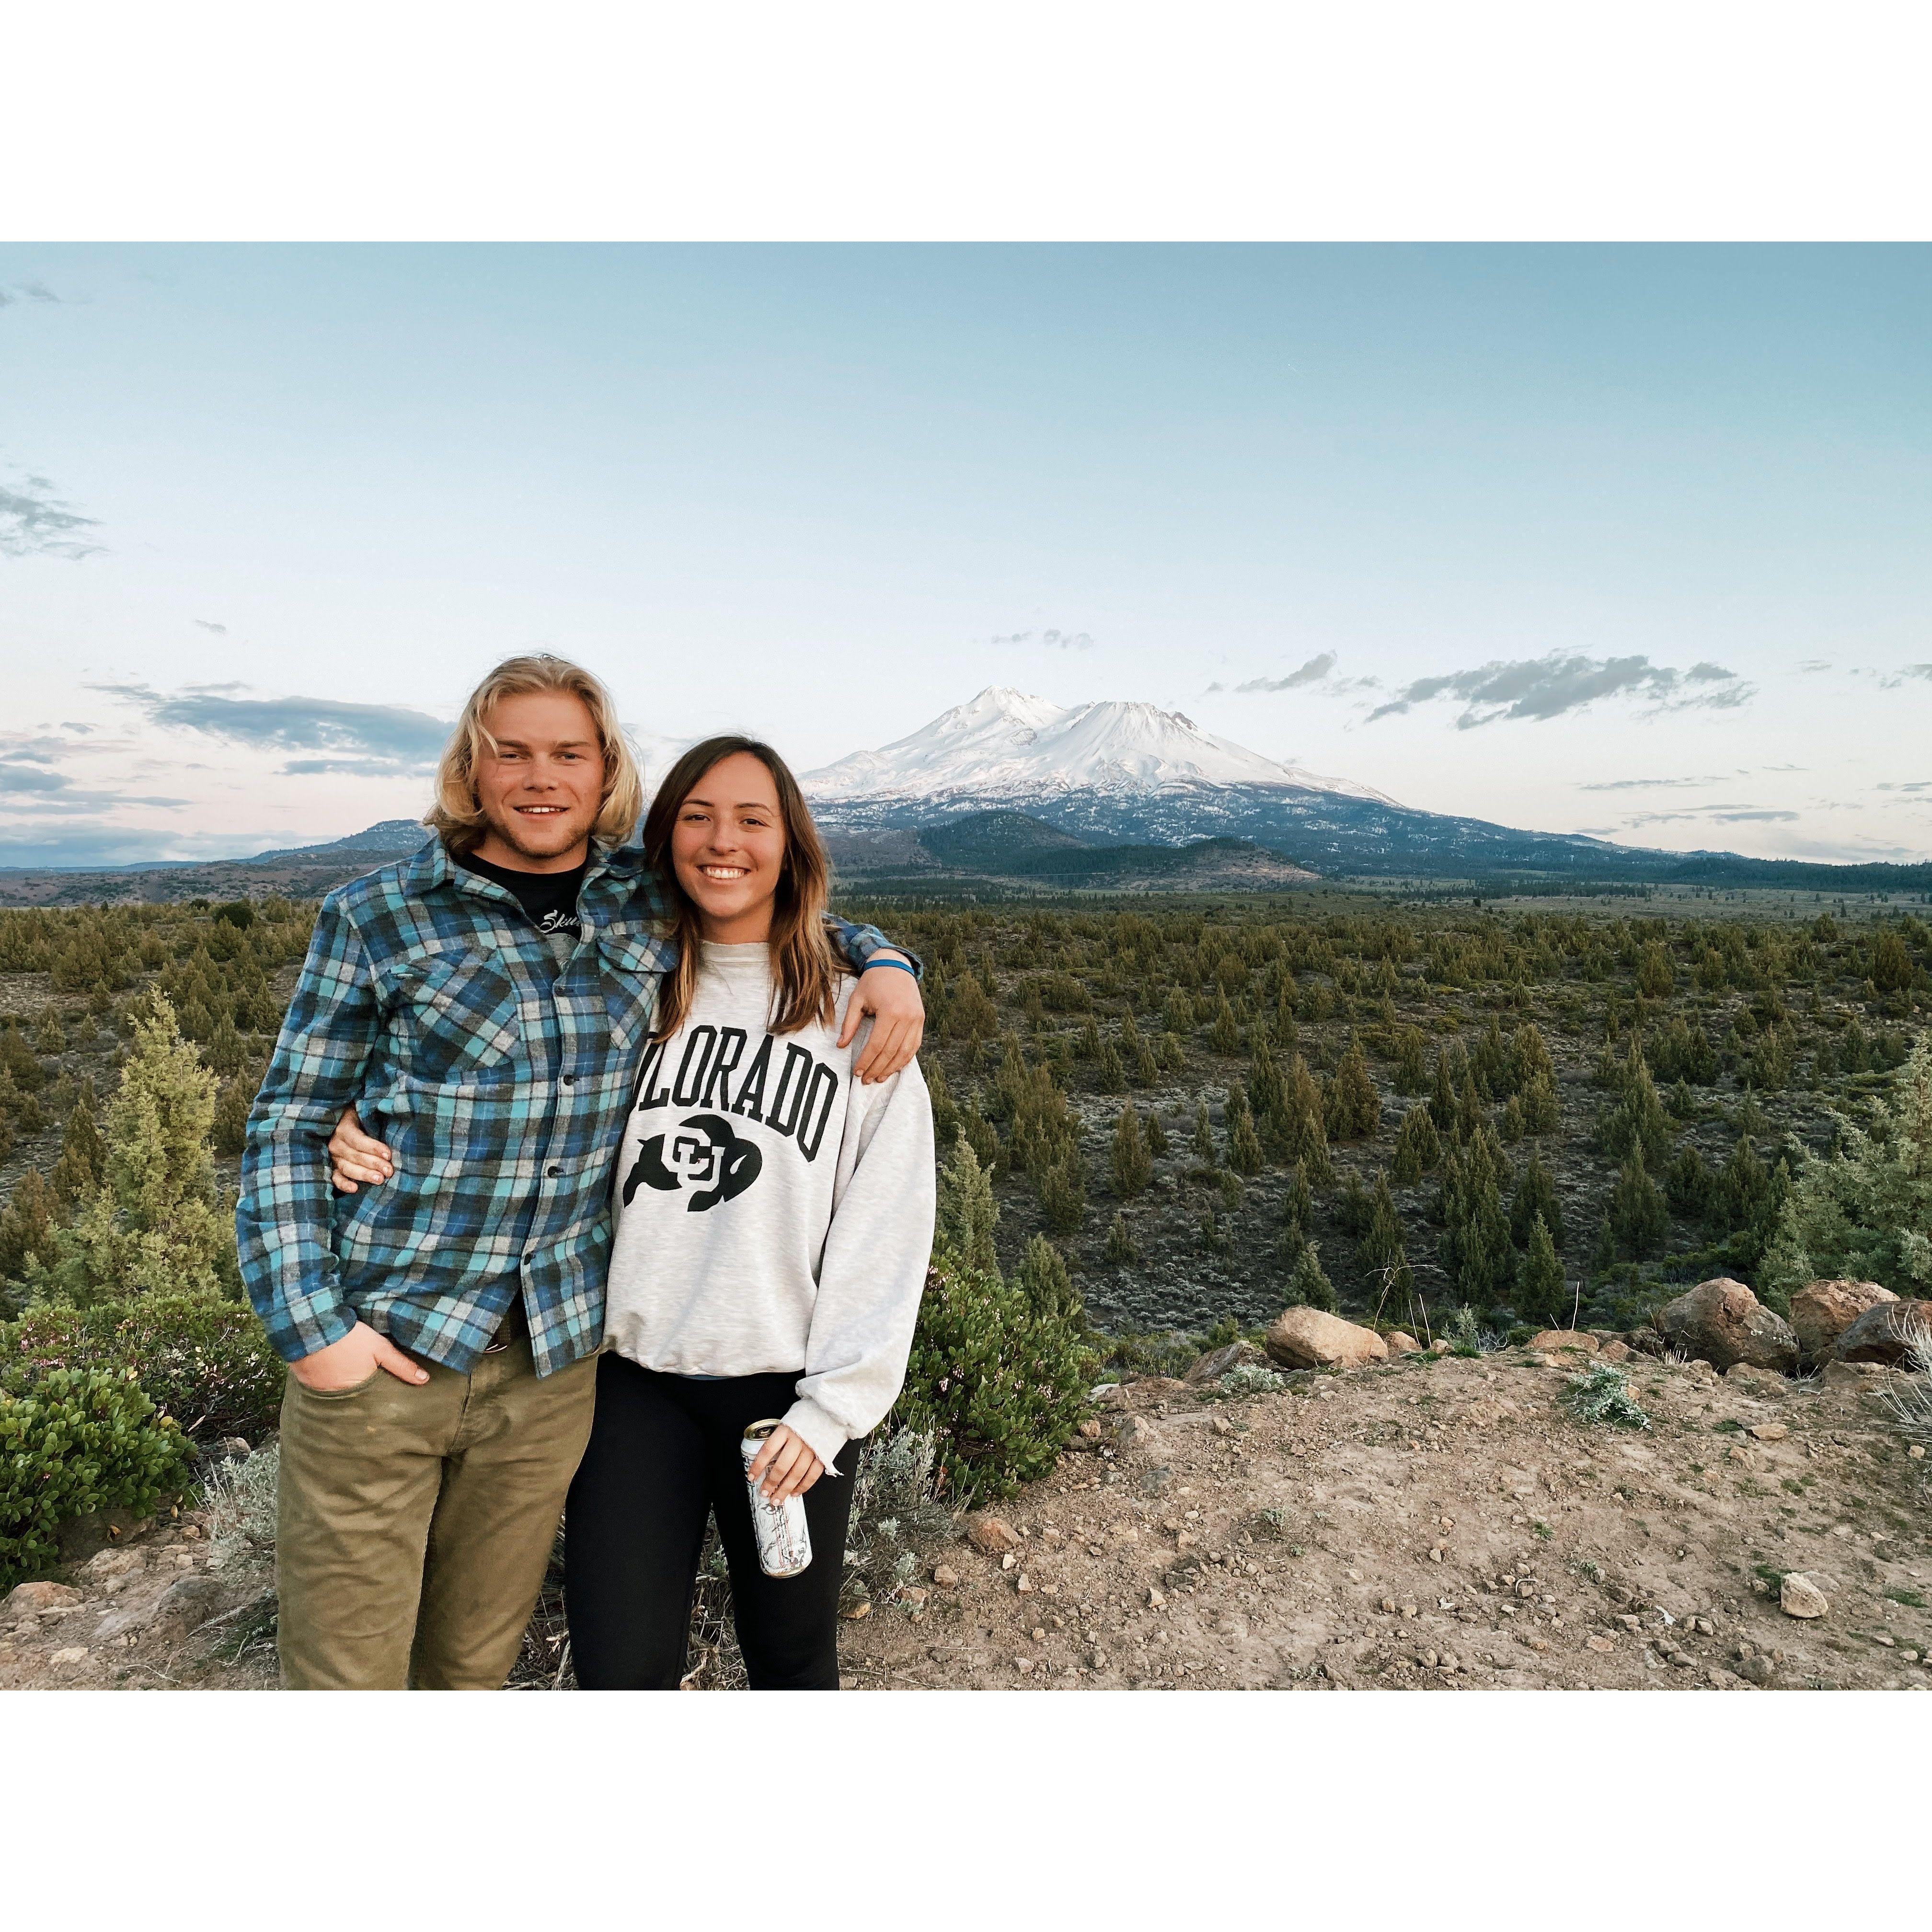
(486, 1002)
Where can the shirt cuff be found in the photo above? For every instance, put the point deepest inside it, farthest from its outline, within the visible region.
(820, 1432)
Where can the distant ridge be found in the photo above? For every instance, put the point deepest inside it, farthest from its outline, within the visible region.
(389, 839)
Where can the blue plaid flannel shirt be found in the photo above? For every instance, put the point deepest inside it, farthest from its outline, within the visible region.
(500, 1076)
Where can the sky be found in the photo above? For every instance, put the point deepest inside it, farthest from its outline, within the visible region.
(1628, 540)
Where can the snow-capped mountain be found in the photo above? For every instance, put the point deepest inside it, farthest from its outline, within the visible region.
(1111, 773)
(1006, 744)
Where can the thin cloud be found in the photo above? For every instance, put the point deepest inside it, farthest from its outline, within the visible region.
(1715, 815)
(1815, 664)
(37, 292)
(1317, 668)
(1654, 785)
(34, 523)
(1054, 640)
(1562, 682)
(388, 738)
(219, 630)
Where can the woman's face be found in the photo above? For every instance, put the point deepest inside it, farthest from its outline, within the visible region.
(728, 848)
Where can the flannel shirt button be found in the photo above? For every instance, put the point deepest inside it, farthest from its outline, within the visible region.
(570, 1080)
(554, 1171)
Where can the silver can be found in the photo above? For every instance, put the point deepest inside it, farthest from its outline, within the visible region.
(784, 1543)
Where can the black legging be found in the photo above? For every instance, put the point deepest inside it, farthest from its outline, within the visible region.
(664, 1454)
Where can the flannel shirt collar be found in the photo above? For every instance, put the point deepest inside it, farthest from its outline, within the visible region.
(610, 866)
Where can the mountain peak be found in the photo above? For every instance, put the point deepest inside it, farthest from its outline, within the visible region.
(1009, 743)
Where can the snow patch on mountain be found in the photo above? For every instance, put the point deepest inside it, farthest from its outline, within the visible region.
(1009, 743)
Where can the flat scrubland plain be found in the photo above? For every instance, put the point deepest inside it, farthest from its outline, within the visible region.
(1209, 1110)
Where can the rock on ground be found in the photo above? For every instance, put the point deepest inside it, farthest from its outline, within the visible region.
(1305, 1338)
(1724, 1322)
(1798, 1596)
(1886, 1334)
(1821, 1311)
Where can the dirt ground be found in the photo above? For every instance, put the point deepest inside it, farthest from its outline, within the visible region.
(1438, 1523)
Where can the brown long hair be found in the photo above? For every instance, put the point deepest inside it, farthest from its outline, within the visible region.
(456, 813)
(803, 965)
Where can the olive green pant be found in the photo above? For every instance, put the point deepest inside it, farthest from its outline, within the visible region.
(414, 1521)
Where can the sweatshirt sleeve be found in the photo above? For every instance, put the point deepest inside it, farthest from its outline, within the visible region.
(873, 1269)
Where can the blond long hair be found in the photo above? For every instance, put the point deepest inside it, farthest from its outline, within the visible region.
(803, 965)
(456, 813)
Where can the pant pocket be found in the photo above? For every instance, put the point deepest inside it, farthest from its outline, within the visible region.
(305, 1393)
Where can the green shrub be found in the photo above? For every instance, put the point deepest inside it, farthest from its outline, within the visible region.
(73, 1444)
(203, 1361)
(1603, 1395)
(1000, 1385)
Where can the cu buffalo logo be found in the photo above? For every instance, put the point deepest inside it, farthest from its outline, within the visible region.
(701, 1154)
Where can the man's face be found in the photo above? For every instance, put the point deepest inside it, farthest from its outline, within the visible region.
(540, 789)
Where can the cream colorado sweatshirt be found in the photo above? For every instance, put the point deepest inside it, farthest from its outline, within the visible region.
(772, 1215)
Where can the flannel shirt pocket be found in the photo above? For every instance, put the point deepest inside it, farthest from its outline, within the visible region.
(461, 1017)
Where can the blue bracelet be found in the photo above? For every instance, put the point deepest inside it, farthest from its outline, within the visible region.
(899, 963)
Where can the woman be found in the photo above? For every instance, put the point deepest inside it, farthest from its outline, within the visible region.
(774, 1218)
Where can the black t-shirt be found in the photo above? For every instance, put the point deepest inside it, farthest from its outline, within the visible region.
(549, 899)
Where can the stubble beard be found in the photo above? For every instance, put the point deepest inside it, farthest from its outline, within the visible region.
(514, 833)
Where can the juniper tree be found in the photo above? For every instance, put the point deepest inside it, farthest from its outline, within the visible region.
(1042, 1277)
(1112, 1076)
(1540, 1295)
(967, 1213)
(1156, 1135)
(1266, 1092)
(1442, 1094)
(1638, 1119)
(1381, 1255)
(27, 1237)
(1637, 1217)
(1353, 1108)
(76, 1173)
(982, 1135)
(1411, 1071)
(1308, 1286)
(1475, 1250)
(1306, 1138)
(153, 1223)
(1244, 1147)
(1418, 1148)
(1469, 1117)
(1063, 1193)
(1122, 1249)
(1538, 1095)
(1489, 1061)
(1297, 1205)
(1866, 1212)
(1133, 1165)
(1655, 975)
(1352, 1206)
(1205, 1151)
(1687, 1183)
(1225, 1035)
(1141, 1069)
(1536, 1198)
